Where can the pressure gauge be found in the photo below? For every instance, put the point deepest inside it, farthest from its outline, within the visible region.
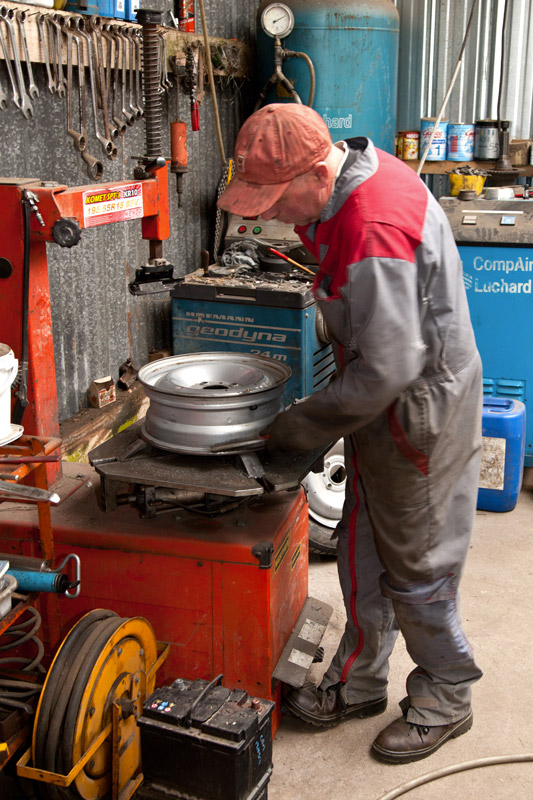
(277, 20)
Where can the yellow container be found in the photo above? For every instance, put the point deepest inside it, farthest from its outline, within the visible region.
(469, 182)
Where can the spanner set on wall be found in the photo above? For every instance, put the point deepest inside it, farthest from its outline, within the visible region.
(113, 55)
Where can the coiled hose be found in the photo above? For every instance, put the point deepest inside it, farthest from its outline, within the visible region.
(17, 692)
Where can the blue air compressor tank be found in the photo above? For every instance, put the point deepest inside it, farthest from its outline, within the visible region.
(353, 45)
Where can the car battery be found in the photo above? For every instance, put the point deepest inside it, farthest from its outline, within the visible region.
(201, 740)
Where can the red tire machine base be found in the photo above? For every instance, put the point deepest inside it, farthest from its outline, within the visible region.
(195, 579)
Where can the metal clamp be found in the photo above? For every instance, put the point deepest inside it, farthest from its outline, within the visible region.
(76, 583)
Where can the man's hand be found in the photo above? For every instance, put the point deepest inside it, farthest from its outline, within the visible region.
(277, 435)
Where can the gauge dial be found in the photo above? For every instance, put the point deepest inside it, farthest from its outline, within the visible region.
(277, 20)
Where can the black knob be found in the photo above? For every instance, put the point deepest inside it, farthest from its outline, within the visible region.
(6, 268)
(66, 232)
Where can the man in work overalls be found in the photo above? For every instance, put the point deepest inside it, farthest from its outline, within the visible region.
(407, 398)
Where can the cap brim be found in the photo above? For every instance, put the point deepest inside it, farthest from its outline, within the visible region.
(250, 199)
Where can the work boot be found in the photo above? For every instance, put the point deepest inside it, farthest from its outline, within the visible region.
(326, 708)
(404, 741)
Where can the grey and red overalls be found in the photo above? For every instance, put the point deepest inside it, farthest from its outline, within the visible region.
(407, 399)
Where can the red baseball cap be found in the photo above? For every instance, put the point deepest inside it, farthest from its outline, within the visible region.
(275, 145)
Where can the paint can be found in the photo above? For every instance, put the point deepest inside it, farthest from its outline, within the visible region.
(437, 151)
(410, 140)
(460, 141)
(486, 140)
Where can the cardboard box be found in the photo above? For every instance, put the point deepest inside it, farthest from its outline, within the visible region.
(519, 152)
(102, 392)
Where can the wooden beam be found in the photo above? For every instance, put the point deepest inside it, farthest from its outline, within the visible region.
(177, 42)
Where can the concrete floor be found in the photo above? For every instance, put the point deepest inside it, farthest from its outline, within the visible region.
(497, 612)
(335, 764)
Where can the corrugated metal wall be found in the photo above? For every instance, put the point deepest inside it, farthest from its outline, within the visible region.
(431, 34)
(97, 324)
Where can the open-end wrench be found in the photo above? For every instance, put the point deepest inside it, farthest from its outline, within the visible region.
(95, 168)
(79, 140)
(44, 31)
(3, 95)
(128, 33)
(109, 148)
(112, 85)
(7, 60)
(128, 116)
(111, 132)
(58, 22)
(33, 91)
(26, 106)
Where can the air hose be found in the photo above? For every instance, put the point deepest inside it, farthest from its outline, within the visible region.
(452, 770)
(60, 683)
(16, 692)
(19, 634)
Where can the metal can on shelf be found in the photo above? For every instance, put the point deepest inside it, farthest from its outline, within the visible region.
(437, 151)
(410, 141)
(460, 141)
(486, 139)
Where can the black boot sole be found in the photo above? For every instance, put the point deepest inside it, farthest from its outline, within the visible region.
(405, 757)
(359, 711)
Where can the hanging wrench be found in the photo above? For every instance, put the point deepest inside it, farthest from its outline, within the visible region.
(33, 91)
(109, 148)
(137, 38)
(79, 140)
(111, 132)
(58, 22)
(166, 83)
(136, 111)
(26, 106)
(128, 120)
(112, 86)
(42, 22)
(126, 74)
(3, 95)
(95, 168)
(128, 116)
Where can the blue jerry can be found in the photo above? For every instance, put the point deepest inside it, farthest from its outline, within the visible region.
(502, 461)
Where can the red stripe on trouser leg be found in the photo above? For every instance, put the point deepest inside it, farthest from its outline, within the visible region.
(416, 457)
(353, 574)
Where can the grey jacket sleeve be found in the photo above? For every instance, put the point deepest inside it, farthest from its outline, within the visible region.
(376, 322)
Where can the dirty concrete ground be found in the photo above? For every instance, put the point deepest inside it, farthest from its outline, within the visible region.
(497, 613)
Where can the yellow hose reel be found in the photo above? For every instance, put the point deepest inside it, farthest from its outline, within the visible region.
(86, 742)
